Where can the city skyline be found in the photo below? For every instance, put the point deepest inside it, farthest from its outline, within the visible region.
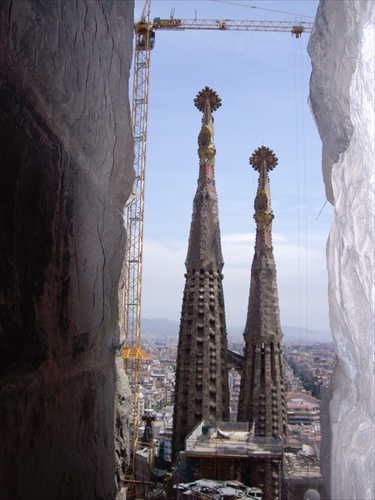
(168, 329)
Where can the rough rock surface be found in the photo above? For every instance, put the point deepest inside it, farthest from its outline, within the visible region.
(66, 172)
(342, 100)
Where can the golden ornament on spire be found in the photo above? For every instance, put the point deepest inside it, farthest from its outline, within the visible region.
(263, 156)
(209, 95)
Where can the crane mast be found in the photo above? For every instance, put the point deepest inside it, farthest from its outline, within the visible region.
(134, 215)
(132, 291)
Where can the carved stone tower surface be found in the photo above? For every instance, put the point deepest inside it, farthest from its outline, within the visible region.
(262, 397)
(201, 389)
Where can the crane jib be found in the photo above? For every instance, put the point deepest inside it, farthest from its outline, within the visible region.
(234, 25)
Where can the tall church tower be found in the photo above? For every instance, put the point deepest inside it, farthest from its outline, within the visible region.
(201, 387)
(262, 397)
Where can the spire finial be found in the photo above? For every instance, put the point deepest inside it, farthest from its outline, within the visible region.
(208, 96)
(263, 156)
(263, 160)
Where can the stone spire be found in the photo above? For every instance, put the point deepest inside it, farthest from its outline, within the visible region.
(201, 388)
(262, 397)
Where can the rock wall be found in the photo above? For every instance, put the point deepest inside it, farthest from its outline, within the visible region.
(66, 172)
(342, 100)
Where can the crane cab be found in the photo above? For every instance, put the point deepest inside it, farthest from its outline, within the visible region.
(145, 35)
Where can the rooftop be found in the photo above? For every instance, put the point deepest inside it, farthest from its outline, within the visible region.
(230, 439)
(302, 467)
(205, 488)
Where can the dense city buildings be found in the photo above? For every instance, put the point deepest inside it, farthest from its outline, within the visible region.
(313, 364)
(158, 372)
(302, 448)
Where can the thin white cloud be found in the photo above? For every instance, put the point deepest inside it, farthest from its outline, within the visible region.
(301, 277)
(237, 238)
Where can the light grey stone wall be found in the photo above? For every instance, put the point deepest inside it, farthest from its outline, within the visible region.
(66, 173)
(342, 100)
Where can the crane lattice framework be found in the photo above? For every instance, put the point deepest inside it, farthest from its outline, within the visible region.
(134, 218)
(229, 25)
(132, 292)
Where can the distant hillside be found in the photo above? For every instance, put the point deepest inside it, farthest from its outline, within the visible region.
(160, 326)
(295, 334)
(291, 334)
(169, 328)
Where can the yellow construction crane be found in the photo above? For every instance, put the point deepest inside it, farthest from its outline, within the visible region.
(134, 217)
(227, 25)
(132, 292)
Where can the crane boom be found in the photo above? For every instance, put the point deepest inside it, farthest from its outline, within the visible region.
(296, 28)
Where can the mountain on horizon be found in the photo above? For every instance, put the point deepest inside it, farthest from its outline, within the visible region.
(170, 328)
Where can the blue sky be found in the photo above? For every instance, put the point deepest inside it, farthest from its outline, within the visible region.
(263, 81)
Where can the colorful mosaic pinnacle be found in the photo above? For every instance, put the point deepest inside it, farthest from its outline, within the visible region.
(210, 95)
(261, 156)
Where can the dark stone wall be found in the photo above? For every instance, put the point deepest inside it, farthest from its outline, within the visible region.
(66, 172)
(30, 184)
